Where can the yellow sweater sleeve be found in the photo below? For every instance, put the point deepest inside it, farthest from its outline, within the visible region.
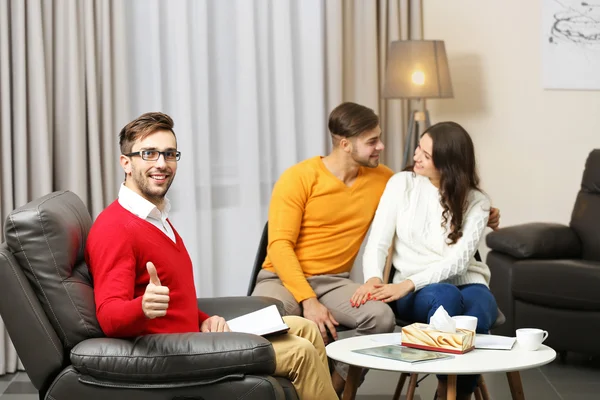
(286, 210)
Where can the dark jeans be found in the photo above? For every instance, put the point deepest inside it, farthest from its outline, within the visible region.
(473, 299)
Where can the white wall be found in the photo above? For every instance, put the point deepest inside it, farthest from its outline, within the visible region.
(531, 143)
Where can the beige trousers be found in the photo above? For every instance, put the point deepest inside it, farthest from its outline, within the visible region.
(334, 292)
(301, 357)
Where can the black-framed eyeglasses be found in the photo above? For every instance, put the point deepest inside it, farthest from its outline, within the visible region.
(153, 155)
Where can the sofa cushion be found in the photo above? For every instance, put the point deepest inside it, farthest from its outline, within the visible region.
(174, 357)
(566, 284)
(542, 240)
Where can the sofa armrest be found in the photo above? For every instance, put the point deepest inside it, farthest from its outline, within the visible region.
(536, 240)
(231, 307)
(167, 358)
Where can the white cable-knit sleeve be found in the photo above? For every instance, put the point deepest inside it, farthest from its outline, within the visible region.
(457, 261)
(383, 227)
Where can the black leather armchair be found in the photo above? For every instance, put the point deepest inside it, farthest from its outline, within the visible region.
(548, 275)
(47, 304)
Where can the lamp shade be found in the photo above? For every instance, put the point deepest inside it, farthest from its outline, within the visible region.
(417, 69)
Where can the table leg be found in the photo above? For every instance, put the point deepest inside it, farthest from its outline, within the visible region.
(485, 394)
(451, 391)
(515, 384)
(400, 385)
(412, 386)
(352, 382)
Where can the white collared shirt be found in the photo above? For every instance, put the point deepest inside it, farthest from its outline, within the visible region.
(137, 205)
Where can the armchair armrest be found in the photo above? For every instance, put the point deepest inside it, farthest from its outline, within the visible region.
(168, 358)
(536, 240)
(231, 307)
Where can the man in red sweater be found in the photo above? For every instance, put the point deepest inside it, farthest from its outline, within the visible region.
(142, 273)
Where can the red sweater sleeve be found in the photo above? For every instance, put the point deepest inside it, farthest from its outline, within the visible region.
(111, 259)
(202, 316)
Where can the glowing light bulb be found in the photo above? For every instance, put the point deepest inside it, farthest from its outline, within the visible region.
(418, 78)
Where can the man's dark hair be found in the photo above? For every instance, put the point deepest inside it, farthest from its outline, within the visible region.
(350, 120)
(142, 126)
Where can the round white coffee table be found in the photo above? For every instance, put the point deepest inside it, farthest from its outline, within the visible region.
(477, 361)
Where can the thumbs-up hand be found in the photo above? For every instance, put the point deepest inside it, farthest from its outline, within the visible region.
(156, 297)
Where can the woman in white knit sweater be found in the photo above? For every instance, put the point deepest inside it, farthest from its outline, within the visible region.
(434, 215)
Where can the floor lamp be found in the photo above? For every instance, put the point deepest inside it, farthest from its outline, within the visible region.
(418, 70)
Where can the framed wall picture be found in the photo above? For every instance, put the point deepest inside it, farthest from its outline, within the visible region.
(571, 44)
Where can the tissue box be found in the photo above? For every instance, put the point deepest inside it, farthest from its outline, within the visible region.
(422, 336)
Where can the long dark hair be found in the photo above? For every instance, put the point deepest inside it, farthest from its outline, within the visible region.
(454, 157)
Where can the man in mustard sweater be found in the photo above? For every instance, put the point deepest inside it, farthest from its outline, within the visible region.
(320, 212)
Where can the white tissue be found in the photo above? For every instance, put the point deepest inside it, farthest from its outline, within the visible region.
(441, 321)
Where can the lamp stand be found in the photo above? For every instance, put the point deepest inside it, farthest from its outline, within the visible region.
(416, 117)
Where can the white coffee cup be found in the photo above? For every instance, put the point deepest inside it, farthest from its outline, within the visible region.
(465, 322)
(531, 338)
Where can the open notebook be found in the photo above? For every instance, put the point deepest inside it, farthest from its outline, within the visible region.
(266, 321)
(494, 342)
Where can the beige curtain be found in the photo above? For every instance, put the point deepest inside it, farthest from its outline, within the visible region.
(358, 35)
(63, 96)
